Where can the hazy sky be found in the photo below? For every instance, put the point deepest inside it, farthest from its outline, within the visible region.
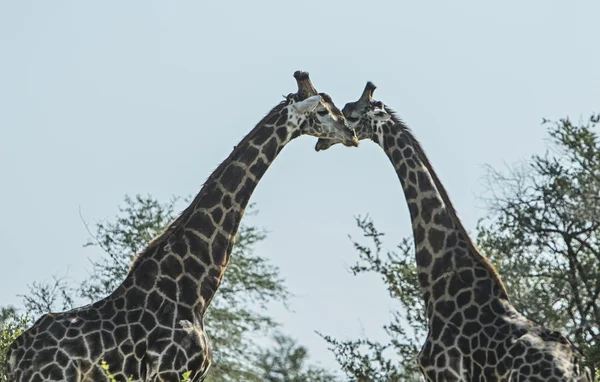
(103, 99)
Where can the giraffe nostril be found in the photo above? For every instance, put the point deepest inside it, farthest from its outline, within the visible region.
(353, 141)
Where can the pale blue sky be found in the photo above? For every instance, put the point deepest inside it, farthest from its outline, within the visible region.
(103, 99)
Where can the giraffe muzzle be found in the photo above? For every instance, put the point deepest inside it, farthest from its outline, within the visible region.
(323, 144)
(353, 142)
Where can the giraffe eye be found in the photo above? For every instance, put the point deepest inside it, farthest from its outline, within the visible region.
(352, 119)
(323, 112)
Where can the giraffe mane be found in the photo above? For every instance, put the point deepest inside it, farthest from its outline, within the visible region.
(338, 113)
(442, 190)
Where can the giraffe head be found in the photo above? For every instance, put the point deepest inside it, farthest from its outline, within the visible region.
(317, 115)
(365, 116)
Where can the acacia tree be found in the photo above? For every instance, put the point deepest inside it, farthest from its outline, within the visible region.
(12, 324)
(542, 234)
(395, 360)
(286, 362)
(236, 313)
(250, 282)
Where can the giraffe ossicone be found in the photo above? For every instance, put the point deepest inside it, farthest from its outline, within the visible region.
(151, 327)
(475, 333)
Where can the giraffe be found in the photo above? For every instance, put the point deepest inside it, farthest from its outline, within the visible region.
(151, 327)
(474, 332)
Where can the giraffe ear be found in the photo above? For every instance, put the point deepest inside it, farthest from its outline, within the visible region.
(308, 105)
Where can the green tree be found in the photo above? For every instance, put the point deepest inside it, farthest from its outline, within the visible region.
(287, 362)
(236, 313)
(237, 310)
(395, 360)
(543, 235)
(12, 324)
(8, 313)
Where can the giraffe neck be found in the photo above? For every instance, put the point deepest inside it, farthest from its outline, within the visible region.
(447, 260)
(186, 262)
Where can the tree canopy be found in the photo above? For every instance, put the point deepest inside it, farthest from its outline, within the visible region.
(237, 315)
(542, 234)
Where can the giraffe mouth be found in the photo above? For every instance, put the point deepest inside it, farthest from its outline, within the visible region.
(352, 143)
(323, 144)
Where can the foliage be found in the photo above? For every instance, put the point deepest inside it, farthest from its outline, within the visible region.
(365, 360)
(7, 314)
(250, 281)
(110, 376)
(46, 297)
(286, 362)
(11, 326)
(543, 235)
(237, 311)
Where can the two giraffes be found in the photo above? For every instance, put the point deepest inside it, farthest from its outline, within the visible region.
(151, 327)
